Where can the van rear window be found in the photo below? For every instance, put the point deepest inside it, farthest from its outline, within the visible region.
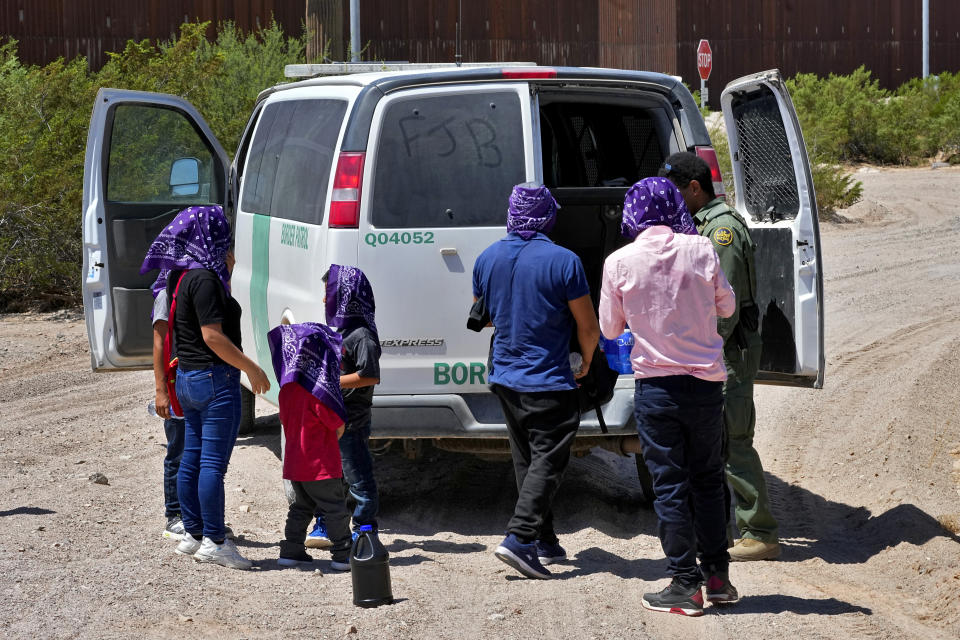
(290, 159)
(448, 160)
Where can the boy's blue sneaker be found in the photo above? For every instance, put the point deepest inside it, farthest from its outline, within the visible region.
(318, 539)
(522, 557)
(550, 553)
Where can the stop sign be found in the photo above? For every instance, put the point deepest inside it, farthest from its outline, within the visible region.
(704, 59)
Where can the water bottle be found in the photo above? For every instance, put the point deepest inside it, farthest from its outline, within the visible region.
(370, 570)
(152, 409)
(624, 348)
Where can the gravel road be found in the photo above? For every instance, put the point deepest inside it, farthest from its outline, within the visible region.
(864, 476)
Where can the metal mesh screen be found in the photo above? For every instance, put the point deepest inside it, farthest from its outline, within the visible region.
(587, 149)
(769, 182)
(644, 144)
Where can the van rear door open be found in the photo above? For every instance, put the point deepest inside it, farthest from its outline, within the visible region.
(774, 194)
(148, 156)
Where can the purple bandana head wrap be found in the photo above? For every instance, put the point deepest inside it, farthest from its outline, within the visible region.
(309, 354)
(350, 300)
(197, 238)
(655, 201)
(532, 209)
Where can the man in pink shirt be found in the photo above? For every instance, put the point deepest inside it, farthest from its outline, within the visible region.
(668, 287)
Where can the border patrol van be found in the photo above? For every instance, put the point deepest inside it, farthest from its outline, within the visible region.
(406, 174)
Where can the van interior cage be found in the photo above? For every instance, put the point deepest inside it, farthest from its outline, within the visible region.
(769, 183)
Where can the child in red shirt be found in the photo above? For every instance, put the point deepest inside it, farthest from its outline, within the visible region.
(306, 359)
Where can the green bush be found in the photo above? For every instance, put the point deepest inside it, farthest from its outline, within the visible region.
(44, 115)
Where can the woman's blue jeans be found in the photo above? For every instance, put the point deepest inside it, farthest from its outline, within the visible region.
(210, 399)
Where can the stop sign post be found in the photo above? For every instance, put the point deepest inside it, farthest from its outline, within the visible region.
(704, 67)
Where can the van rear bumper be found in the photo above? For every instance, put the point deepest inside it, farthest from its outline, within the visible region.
(478, 415)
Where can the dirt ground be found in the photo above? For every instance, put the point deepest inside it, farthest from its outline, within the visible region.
(864, 476)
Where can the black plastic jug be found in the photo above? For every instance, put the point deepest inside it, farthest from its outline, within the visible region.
(370, 570)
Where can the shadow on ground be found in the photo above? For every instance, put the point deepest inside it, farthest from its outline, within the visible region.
(811, 526)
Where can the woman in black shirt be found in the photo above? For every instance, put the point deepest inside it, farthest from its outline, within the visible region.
(205, 320)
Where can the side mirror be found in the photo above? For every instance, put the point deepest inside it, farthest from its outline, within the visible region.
(185, 177)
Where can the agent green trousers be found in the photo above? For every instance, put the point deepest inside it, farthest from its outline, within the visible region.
(744, 470)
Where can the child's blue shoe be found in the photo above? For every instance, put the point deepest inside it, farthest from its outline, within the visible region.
(318, 539)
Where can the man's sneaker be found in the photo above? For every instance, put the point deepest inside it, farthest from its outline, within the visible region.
(718, 588)
(174, 529)
(675, 598)
(298, 558)
(188, 545)
(337, 565)
(748, 549)
(522, 557)
(550, 553)
(318, 539)
(226, 554)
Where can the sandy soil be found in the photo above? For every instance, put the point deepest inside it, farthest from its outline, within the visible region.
(864, 477)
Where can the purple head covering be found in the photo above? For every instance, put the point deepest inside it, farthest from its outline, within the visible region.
(350, 300)
(309, 354)
(532, 209)
(197, 238)
(655, 201)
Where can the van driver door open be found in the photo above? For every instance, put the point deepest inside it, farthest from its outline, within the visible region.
(148, 156)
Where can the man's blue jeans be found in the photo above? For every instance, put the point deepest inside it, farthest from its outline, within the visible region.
(358, 472)
(680, 422)
(211, 409)
(173, 427)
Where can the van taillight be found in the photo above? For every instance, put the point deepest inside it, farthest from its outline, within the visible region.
(528, 73)
(345, 200)
(710, 156)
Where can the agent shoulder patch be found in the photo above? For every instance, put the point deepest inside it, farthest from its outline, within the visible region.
(723, 236)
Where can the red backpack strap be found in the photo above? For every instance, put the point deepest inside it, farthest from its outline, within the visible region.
(168, 339)
(170, 364)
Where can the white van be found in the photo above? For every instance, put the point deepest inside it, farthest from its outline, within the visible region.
(406, 174)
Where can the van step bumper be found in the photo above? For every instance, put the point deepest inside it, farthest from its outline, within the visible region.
(478, 415)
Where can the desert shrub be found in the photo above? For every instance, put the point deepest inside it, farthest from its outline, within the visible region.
(838, 114)
(836, 188)
(44, 115)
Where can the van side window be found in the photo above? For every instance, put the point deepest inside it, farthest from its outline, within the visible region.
(448, 161)
(290, 159)
(145, 142)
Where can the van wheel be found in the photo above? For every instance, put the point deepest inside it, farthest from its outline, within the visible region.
(248, 411)
(646, 480)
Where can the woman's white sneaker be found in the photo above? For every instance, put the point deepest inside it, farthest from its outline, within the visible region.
(226, 554)
(188, 545)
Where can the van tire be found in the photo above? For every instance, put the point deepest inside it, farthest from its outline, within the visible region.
(646, 480)
(248, 411)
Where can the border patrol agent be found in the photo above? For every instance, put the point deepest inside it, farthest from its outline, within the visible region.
(741, 353)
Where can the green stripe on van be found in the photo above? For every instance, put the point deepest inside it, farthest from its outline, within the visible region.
(259, 279)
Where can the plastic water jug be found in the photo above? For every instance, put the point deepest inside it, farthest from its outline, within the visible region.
(624, 347)
(370, 570)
